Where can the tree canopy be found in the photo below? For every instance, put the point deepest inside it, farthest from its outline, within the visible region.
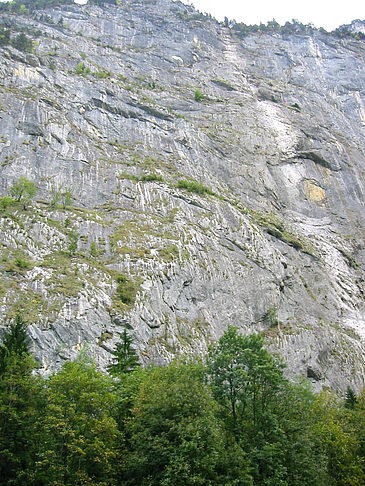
(232, 421)
(23, 190)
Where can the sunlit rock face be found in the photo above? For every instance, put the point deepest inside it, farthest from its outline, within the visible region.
(211, 180)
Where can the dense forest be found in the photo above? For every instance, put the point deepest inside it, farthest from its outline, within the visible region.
(233, 420)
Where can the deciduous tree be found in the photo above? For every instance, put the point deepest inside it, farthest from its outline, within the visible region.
(174, 435)
(80, 434)
(23, 190)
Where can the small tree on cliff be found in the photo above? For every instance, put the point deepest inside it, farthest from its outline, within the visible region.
(23, 190)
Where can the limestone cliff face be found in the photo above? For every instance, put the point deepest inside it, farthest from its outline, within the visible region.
(265, 229)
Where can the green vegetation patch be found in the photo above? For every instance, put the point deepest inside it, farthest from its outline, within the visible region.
(6, 202)
(169, 253)
(196, 187)
(21, 42)
(223, 84)
(274, 227)
(131, 232)
(7, 286)
(16, 261)
(151, 178)
(23, 190)
(65, 280)
(198, 96)
(31, 305)
(82, 70)
(125, 295)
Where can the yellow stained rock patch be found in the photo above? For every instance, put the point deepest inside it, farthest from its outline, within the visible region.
(26, 73)
(314, 192)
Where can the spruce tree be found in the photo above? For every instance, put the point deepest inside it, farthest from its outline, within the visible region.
(125, 357)
(21, 403)
(350, 399)
(15, 342)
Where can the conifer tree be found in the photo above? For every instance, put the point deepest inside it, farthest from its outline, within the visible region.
(16, 341)
(125, 357)
(350, 399)
(21, 403)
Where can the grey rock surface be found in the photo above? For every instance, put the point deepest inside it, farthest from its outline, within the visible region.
(273, 241)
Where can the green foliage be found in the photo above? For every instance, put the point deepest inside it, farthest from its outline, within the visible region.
(173, 435)
(55, 197)
(25, 6)
(356, 419)
(300, 455)
(15, 342)
(350, 399)
(125, 357)
(22, 43)
(173, 425)
(277, 228)
(169, 253)
(23, 263)
(144, 178)
(60, 195)
(20, 404)
(4, 36)
(245, 378)
(73, 239)
(344, 31)
(151, 178)
(193, 186)
(103, 74)
(269, 419)
(81, 69)
(6, 202)
(79, 433)
(198, 96)
(24, 190)
(340, 432)
(93, 250)
(66, 197)
(126, 290)
(18, 262)
(291, 28)
(271, 316)
(122, 278)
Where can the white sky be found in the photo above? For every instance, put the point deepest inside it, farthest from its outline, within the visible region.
(329, 14)
(322, 13)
